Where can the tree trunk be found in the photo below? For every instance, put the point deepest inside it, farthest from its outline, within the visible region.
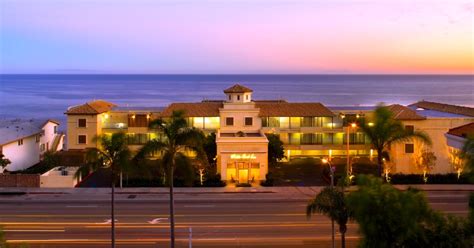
(342, 230)
(121, 179)
(171, 181)
(112, 208)
(380, 162)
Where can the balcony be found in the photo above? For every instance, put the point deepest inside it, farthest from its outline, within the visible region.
(115, 126)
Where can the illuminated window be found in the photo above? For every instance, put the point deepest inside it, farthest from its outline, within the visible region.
(211, 122)
(284, 122)
(229, 121)
(409, 148)
(81, 139)
(248, 121)
(81, 123)
(295, 122)
(274, 122)
(198, 122)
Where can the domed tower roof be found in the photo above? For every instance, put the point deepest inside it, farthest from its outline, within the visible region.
(237, 88)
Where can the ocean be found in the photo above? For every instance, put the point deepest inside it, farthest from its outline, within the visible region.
(48, 96)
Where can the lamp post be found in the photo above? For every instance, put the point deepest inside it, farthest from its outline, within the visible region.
(332, 169)
(353, 125)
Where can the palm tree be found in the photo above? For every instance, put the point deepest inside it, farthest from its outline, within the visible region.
(178, 140)
(385, 130)
(112, 152)
(332, 203)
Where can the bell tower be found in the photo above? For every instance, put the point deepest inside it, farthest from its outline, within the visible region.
(238, 94)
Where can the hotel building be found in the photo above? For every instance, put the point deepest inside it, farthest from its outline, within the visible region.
(240, 123)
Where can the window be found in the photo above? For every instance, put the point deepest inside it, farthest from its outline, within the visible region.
(307, 122)
(55, 129)
(295, 122)
(284, 122)
(20, 142)
(294, 138)
(247, 97)
(238, 97)
(81, 123)
(410, 128)
(248, 121)
(409, 148)
(274, 122)
(82, 139)
(138, 120)
(307, 139)
(229, 121)
(230, 97)
(37, 138)
(138, 138)
(43, 147)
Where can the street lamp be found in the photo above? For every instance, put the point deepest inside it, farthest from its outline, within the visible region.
(332, 169)
(353, 125)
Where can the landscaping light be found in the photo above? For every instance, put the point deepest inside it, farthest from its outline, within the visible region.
(371, 124)
(324, 160)
(353, 125)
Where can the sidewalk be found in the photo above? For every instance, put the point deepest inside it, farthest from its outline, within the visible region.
(310, 190)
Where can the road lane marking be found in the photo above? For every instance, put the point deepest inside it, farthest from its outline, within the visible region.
(199, 206)
(81, 206)
(37, 230)
(156, 221)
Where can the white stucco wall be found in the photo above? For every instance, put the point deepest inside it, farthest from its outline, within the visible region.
(48, 136)
(55, 179)
(23, 156)
(29, 154)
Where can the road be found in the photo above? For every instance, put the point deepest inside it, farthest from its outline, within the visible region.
(217, 220)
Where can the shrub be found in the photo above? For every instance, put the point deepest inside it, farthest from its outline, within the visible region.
(214, 181)
(269, 180)
(451, 178)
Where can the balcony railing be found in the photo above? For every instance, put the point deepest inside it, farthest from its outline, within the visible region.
(115, 126)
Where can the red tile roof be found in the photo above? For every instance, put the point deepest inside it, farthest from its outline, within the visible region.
(296, 109)
(401, 112)
(94, 107)
(275, 108)
(442, 107)
(463, 131)
(198, 109)
(237, 88)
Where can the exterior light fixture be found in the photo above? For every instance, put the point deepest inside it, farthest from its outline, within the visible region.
(353, 125)
(371, 124)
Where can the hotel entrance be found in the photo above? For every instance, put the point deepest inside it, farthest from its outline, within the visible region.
(243, 172)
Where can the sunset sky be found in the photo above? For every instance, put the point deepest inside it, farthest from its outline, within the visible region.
(254, 36)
